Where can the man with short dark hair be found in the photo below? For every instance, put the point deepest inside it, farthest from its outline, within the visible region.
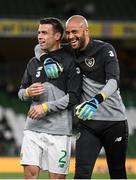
(47, 134)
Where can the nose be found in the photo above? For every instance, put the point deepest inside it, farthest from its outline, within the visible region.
(40, 36)
(70, 35)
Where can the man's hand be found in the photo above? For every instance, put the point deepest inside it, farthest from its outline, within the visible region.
(37, 111)
(52, 68)
(87, 109)
(35, 89)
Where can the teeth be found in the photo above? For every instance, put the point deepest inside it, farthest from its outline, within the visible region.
(73, 42)
(41, 42)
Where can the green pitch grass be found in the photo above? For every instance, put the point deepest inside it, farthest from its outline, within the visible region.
(70, 176)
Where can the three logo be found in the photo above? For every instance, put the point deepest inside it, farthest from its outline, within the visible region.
(38, 71)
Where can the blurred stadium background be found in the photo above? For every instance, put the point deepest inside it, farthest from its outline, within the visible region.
(112, 21)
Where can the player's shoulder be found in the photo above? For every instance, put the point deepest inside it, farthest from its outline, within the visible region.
(67, 48)
(107, 49)
(32, 62)
(101, 44)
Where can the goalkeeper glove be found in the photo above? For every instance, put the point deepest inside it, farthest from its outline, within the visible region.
(52, 68)
(87, 109)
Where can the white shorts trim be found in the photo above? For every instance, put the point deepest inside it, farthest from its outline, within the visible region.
(49, 152)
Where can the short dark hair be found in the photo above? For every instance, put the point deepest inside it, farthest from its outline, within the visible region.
(55, 22)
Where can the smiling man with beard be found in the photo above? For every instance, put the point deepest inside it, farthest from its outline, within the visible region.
(101, 113)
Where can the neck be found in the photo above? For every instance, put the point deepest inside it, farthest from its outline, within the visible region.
(57, 46)
(53, 48)
(86, 43)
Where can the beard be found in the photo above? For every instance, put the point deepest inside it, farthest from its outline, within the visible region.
(81, 42)
(81, 45)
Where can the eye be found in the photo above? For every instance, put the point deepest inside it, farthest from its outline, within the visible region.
(44, 32)
(67, 32)
(74, 32)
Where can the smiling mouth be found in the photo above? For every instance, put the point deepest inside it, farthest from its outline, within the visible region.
(41, 43)
(73, 43)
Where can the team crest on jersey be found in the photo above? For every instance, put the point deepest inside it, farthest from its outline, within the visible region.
(89, 62)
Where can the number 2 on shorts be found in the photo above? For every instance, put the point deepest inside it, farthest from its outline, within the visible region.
(61, 159)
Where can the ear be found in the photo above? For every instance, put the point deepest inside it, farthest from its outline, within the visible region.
(87, 31)
(57, 36)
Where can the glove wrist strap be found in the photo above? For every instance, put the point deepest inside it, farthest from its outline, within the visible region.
(99, 98)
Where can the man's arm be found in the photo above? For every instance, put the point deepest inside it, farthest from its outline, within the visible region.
(87, 109)
(37, 111)
(27, 89)
(23, 93)
(74, 87)
(66, 102)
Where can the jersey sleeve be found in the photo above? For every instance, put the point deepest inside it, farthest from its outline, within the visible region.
(25, 82)
(59, 104)
(73, 91)
(74, 85)
(111, 63)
